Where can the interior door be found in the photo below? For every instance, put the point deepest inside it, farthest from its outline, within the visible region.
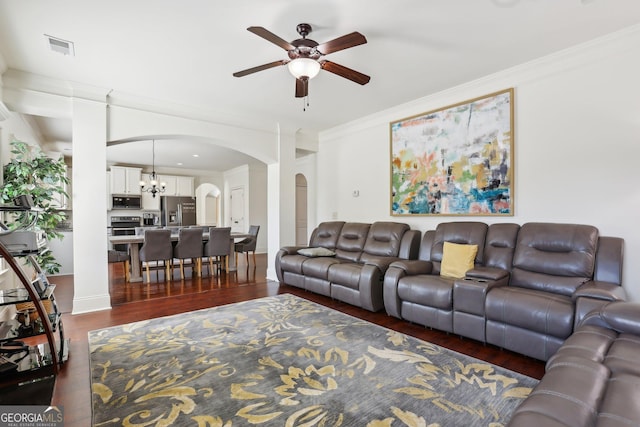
(237, 210)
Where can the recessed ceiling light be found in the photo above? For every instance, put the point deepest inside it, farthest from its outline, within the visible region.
(179, 163)
(59, 45)
(196, 155)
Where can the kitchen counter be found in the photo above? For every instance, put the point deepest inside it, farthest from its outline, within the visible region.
(134, 243)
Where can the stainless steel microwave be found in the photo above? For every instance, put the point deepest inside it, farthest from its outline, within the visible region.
(126, 202)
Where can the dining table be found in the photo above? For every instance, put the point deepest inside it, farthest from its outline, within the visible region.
(134, 242)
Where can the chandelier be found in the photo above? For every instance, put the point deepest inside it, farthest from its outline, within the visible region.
(153, 186)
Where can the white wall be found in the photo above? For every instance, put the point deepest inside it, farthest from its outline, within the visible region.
(258, 204)
(577, 131)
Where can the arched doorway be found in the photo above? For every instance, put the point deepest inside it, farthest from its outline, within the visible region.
(301, 210)
(208, 205)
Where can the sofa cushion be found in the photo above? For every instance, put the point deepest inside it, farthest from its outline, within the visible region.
(569, 394)
(542, 312)
(384, 238)
(588, 342)
(461, 232)
(293, 263)
(623, 355)
(457, 259)
(566, 252)
(326, 234)
(314, 252)
(619, 406)
(318, 267)
(351, 241)
(427, 290)
(346, 274)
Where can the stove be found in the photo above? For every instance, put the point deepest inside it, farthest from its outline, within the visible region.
(124, 226)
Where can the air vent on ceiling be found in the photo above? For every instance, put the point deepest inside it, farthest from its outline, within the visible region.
(64, 47)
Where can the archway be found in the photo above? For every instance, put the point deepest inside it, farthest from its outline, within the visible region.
(208, 205)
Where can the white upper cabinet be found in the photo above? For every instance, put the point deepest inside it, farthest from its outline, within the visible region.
(184, 186)
(177, 185)
(125, 180)
(170, 184)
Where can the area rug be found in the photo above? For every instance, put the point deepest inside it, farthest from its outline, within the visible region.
(286, 361)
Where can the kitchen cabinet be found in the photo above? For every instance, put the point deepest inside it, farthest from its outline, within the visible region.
(184, 186)
(177, 185)
(170, 184)
(125, 180)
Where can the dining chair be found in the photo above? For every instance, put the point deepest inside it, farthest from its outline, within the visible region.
(189, 246)
(249, 244)
(157, 247)
(114, 256)
(219, 247)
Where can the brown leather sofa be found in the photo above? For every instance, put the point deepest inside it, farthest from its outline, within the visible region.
(528, 288)
(353, 268)
(594, 377)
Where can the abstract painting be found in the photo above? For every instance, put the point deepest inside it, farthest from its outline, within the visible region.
(457, 160)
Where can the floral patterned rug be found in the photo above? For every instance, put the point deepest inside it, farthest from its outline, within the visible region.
(286, 361)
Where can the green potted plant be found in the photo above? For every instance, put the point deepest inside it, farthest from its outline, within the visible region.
(32, 172)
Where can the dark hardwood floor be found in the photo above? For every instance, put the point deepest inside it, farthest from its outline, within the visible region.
(133, 302)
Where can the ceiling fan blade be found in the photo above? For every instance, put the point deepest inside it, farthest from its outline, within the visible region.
(259, 68)
(269, 36)
(345, 72)
(341, 43)
(302, 87)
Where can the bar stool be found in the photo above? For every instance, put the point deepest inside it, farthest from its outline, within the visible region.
(114, 256)
(155, 248)
(189, 246)
(249, 244)
(218, 246)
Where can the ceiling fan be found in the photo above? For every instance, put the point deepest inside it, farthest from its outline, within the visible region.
(304, 57)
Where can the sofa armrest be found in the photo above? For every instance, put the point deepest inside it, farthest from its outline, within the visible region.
(290, 250)
(621, 316)
(487, 273)
(413, 267)
(600, 290)
(382, 262)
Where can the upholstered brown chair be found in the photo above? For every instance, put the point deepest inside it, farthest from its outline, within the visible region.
(249, 244)
(157, 248)
(189, 246)
(218, 247)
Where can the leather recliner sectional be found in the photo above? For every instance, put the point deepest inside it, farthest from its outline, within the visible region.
(360, 254)
(549, 291)
(530, 285)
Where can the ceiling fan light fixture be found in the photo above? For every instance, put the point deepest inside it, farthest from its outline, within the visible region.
(304, 67)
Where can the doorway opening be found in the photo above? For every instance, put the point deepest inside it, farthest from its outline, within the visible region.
(208, 205)
(301, 210)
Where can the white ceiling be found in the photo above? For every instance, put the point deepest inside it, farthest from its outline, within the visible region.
(184, 53)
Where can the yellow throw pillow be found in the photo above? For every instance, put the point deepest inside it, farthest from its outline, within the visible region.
(457, 259)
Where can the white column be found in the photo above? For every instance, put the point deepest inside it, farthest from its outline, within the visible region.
(91, 280)
(281, 193)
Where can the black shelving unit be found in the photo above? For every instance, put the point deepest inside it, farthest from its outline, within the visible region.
(23, 357)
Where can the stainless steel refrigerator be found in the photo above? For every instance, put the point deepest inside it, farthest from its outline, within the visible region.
(178, 211)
